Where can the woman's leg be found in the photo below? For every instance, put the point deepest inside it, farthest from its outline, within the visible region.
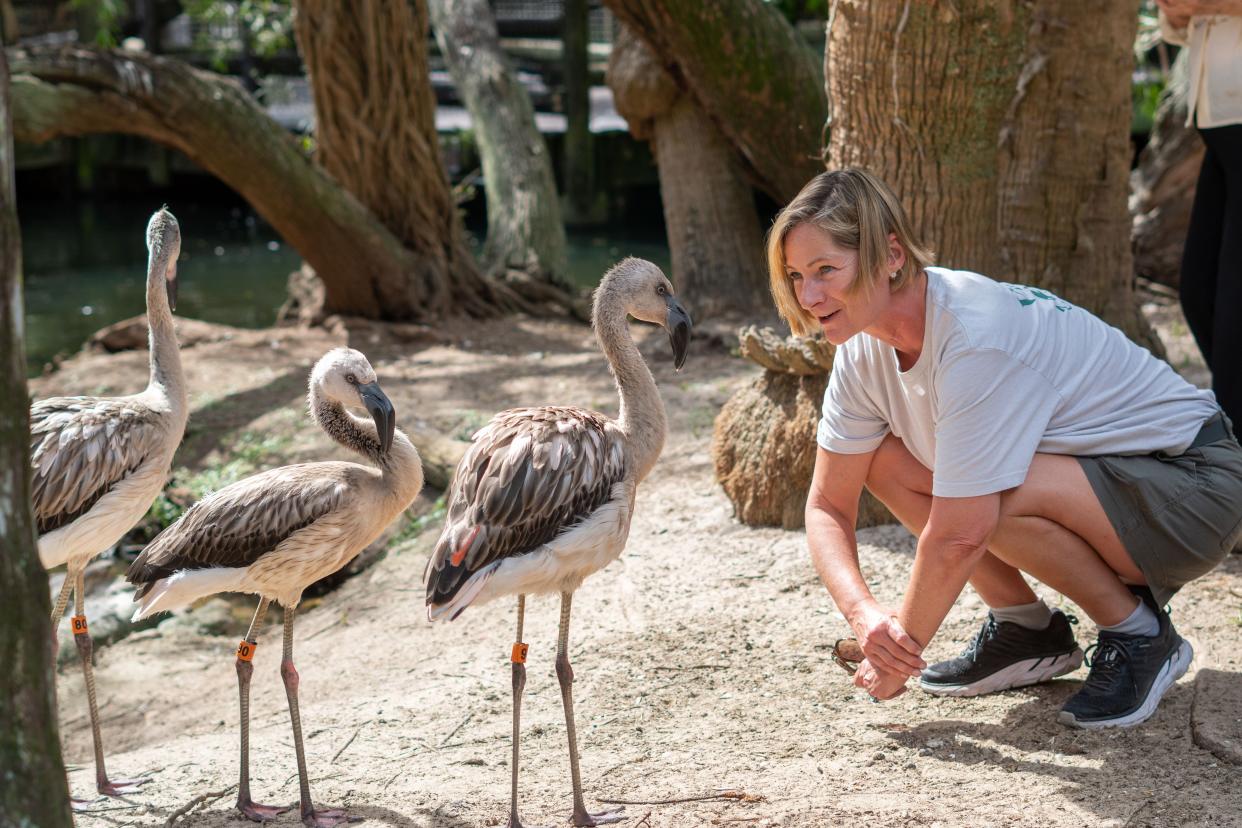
(1052, 527)
(904, 485)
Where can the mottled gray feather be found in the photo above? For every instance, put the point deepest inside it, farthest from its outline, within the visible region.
(82, 447)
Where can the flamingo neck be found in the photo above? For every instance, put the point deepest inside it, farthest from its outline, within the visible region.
(401, 466)
(642, 417)
(165, 357)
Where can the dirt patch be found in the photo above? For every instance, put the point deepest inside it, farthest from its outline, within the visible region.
(701, 658)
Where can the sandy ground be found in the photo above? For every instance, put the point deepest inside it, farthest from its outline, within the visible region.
(701, 658)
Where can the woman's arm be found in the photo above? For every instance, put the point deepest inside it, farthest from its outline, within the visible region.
(831, 512)
(954, 540)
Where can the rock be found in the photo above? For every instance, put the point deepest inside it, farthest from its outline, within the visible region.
(1216, 714)
(131, 334)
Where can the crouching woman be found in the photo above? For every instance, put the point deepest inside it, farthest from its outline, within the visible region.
(1011, 432)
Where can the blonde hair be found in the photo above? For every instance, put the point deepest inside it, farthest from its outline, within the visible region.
(858, 211)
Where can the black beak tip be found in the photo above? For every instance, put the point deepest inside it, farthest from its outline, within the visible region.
(679, 337)
(382, 413)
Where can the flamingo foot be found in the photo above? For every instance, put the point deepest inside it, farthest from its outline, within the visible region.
(329, 817)
(604, 817)
(255, 812)
(120, 787)
(514, 822)
(81, 806)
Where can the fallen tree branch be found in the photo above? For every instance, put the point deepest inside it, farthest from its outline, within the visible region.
(731, 794)
(201, 799)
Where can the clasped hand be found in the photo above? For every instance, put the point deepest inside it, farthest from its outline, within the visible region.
(892, 656)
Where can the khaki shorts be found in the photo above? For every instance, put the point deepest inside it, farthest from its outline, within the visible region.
(1177, 515)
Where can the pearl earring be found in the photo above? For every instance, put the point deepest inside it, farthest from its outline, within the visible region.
(892, 275)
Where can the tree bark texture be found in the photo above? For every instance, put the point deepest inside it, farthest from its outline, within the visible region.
(524, 228)
(1065, 160)
(709, 210)
(34, 790)
(747, 69)
(917, 95)
(580, 196)
(375, 134)
(1162, 190)
(365, 268)
(764, 451)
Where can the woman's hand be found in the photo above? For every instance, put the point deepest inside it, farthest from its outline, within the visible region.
(881, 684)
(885, 644)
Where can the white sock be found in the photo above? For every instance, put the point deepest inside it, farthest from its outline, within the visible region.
(1033, 616)
(1140, 622)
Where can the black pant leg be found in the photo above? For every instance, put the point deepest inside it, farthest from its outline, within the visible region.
(1226, 364)
(1201, 255)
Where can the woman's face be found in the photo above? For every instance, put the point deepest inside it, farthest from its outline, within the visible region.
(822, 273)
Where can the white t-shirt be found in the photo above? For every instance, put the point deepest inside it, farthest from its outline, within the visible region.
(1006, 371)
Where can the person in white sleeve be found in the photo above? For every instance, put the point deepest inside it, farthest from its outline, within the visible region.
(1011, 432)
(1211, 274)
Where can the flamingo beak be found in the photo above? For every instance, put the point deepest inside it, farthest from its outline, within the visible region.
(678, 325)
(380, 408)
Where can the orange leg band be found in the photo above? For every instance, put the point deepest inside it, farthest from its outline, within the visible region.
(518, 656)
(245, 650)
(78, 624)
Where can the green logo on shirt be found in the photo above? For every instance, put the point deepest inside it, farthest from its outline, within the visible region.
(1029, 296)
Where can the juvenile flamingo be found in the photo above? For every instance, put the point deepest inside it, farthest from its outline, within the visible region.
(544, 496)
(99, 462)
(276, 533)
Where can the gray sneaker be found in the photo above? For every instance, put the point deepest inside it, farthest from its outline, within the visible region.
(1004, 655)
(1129, 675)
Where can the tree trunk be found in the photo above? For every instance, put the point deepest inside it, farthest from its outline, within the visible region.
(918, 92)
(1065, 160)
(747, 69)
(35, 791)
(580, 195)
(365, 268)
(709, 211)
(525, 234)
(375, 134)
(1162, 189)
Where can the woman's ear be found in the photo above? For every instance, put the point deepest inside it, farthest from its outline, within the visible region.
(896, 254)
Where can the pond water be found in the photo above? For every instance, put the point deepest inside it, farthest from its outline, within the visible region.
(85, 267)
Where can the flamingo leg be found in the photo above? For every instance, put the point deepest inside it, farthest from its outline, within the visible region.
(62, 601)
(310, 817)
(518, 658)
(82, 638)
(58, 612)
(565, 674)
(245, 652)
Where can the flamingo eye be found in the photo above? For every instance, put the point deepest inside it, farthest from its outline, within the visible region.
(660, 289)
(351, 379)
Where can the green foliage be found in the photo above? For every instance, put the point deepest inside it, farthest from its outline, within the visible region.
(468, 423)
(1150, 76)
(107, 15)
(1145, 97)
(416, 526)
(265, 25)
